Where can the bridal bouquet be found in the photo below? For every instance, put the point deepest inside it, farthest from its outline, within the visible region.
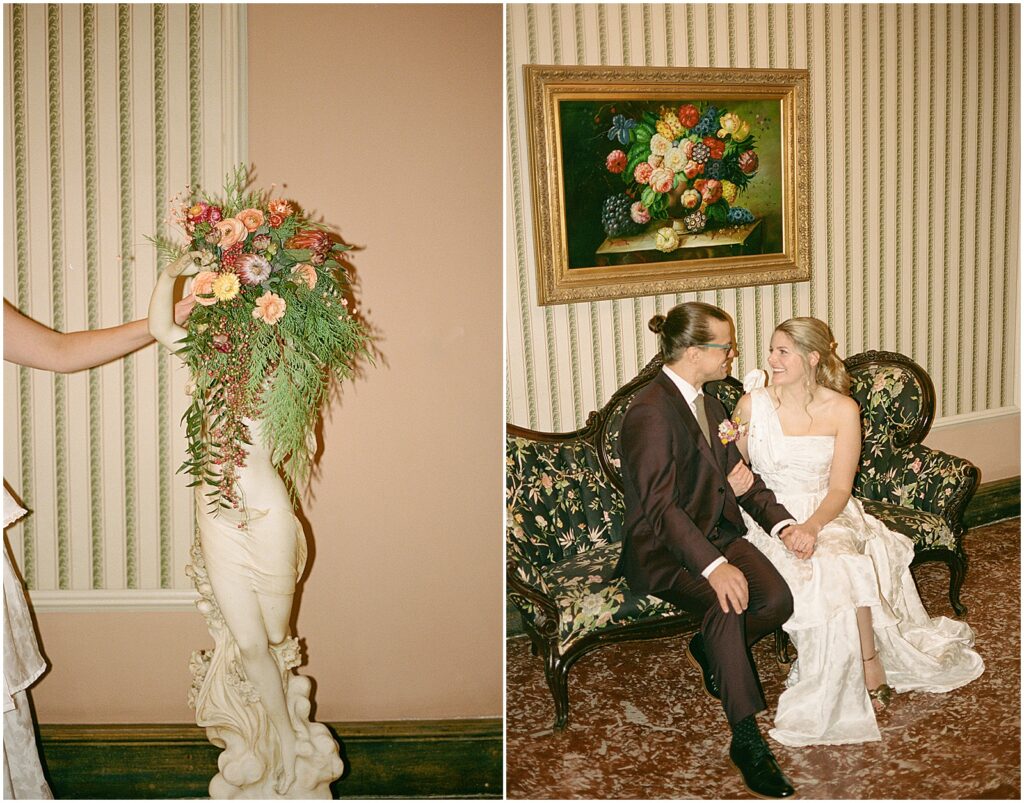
(271, 328)
(680, 161)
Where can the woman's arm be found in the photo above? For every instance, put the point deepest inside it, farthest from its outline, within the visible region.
(741, 415)
(28, 342)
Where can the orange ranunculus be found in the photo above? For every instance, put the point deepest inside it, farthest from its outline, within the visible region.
(270, 308)
(275, 220)
(252, 219)
(282, 208)
(315, 240)
(232, 230)
(305, 273)
(202, 285)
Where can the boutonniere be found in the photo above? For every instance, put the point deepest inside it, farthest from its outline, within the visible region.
(729, 431)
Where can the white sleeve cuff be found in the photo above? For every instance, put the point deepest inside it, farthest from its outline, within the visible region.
(781, 526)
(712, 566)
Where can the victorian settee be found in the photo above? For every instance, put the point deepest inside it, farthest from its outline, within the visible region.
(564, 513)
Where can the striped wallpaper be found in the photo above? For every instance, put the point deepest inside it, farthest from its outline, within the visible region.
(109, 111)
(916, 194)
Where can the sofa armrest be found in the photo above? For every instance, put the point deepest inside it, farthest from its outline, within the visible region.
(528, 589)
(921, 478)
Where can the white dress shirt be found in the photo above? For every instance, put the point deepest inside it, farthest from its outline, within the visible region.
(690, 393)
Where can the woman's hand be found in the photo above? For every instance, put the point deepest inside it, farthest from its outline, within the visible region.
(184, 308)
(185, 265)
(740, 478)
(800, 539)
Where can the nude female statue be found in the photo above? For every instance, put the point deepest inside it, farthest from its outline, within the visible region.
(245, 566)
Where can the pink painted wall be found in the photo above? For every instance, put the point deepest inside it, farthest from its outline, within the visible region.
(387, 121)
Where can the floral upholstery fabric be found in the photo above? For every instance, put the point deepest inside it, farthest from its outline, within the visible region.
(914, 476)
(589, 599)
(926, 530)
(558, 500)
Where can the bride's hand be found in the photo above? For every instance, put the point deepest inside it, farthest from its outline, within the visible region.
(740, 478)
(185, 265)
(800, 539)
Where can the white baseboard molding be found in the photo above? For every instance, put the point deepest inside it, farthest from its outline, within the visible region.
(981, 415)
(122, 600)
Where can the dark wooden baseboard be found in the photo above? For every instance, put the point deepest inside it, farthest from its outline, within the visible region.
(405, 759)
(994, 501)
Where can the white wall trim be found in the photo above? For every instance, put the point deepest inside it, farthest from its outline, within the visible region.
(101, 600)
(980, 415)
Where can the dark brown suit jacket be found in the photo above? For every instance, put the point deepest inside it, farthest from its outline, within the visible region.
(680, 508)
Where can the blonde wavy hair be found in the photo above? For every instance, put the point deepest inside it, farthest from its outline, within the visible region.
(810, 334)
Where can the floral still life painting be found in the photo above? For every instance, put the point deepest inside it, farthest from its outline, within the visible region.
(652, 180)
(665, 170)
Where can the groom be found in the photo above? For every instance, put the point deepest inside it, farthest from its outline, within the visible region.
(684, 532)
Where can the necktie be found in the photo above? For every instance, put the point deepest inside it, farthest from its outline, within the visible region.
(702, 417)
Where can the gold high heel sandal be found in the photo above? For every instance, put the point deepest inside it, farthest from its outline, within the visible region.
(881, 695)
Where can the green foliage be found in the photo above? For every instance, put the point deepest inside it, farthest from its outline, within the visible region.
(276, 371)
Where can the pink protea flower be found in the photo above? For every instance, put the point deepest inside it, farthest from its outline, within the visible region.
(202, 286)
(260, 242)
(315, 240)
(305, 273)
(232, 230)
(252, 219)
(615, 162)
(270, 308)
(252, 269)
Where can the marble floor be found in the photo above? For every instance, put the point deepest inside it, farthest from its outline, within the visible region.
(642, 728)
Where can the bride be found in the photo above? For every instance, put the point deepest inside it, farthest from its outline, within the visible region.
(858, 624)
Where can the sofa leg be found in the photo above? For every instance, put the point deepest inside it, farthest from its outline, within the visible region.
(957, 573)
(557, 672)
(782, 646)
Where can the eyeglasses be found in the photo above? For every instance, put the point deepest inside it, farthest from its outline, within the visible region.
(722, 346)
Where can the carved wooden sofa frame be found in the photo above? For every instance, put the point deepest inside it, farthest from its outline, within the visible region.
(564, 513)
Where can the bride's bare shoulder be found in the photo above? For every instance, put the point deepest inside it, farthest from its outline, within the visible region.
(839, 405)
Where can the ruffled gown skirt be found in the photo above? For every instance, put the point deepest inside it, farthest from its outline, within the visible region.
(857, 562)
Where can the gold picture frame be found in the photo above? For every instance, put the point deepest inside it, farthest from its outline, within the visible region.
(576, 113)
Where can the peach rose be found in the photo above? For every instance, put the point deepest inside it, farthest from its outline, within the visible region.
(202, 285)
(270, 308)
(252, 219)
(661, 179)
(305, 273)
(232, 230)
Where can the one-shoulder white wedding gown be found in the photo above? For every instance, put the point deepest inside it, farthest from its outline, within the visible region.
(857, 562)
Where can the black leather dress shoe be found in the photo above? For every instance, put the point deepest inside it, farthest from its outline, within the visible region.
(698, 658)
(760, 771)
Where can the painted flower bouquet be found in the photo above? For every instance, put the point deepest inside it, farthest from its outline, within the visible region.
(683, 162)
(271, 330)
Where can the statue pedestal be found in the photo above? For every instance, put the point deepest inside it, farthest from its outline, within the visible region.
(229, 708)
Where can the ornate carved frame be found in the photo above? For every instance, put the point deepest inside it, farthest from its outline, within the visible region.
(547, 86)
